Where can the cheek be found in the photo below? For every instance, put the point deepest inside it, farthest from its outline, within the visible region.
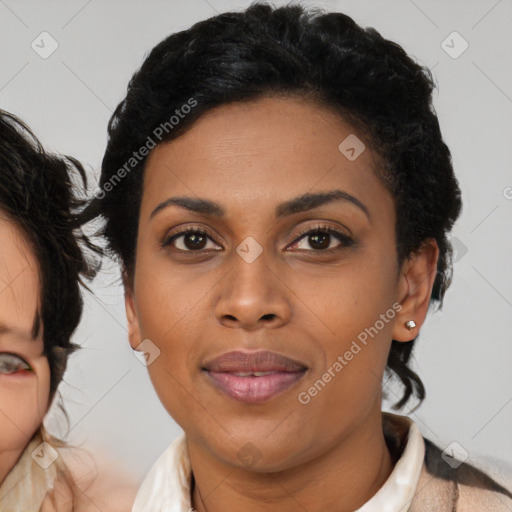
(23, 404)
(162, 319)
(166, 295)
(351, 300)
(170, 308)
(358, 316)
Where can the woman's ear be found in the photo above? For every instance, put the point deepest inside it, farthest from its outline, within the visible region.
(131, 311)
(415, 285)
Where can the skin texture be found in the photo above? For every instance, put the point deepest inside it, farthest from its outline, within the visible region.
(329, 454)
(19, 285)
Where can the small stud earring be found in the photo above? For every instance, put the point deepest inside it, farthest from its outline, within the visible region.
(411, 325)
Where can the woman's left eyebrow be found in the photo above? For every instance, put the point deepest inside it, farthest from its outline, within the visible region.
(298, 204)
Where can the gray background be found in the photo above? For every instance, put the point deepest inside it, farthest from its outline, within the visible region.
(465, 353)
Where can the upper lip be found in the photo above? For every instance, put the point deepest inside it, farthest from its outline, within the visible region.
(260, 361)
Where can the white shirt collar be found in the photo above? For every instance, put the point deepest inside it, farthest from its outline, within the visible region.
(166, 487)
(398, 491)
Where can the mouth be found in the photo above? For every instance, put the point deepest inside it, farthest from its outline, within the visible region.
(253, 377)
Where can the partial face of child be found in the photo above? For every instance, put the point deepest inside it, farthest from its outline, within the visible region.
(24, 369)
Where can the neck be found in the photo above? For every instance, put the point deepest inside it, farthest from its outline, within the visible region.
(344, 477)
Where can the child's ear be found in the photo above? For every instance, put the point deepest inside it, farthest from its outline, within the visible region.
(131, 312)
(415, 285)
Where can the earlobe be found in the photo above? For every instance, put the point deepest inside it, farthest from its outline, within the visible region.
(131, 316)
(415, 289)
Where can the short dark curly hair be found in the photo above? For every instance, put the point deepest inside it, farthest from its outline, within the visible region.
(303, 52)
(37, 194)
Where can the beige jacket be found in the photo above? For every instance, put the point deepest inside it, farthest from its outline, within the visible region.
(447, 485)
(26, 486)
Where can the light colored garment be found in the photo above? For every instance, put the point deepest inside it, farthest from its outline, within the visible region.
(26, 485)
(87, 483)
(421, 480)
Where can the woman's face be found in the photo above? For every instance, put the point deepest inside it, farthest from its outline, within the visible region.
(24, 370)
(253, 281)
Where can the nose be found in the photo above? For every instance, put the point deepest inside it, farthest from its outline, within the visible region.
(253, 296)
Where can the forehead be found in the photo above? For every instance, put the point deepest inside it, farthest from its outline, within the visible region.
(19, 278)
(261, 153)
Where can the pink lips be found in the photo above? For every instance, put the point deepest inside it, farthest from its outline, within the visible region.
(253, 377)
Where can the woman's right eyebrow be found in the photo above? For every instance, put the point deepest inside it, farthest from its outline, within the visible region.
(298, 204)
(198, 205)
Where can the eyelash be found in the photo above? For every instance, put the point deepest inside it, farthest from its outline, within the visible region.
(345, 240)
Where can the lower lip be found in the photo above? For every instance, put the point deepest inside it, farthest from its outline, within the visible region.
(254, 390)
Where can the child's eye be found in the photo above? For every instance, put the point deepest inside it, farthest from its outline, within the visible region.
(11, 363)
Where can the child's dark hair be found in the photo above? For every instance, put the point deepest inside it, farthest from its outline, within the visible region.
(37, 194)
(293, 51)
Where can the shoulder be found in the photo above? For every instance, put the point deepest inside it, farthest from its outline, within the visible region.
(465, 486)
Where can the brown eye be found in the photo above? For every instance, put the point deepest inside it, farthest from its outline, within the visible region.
(320, 238)
(190, 240)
